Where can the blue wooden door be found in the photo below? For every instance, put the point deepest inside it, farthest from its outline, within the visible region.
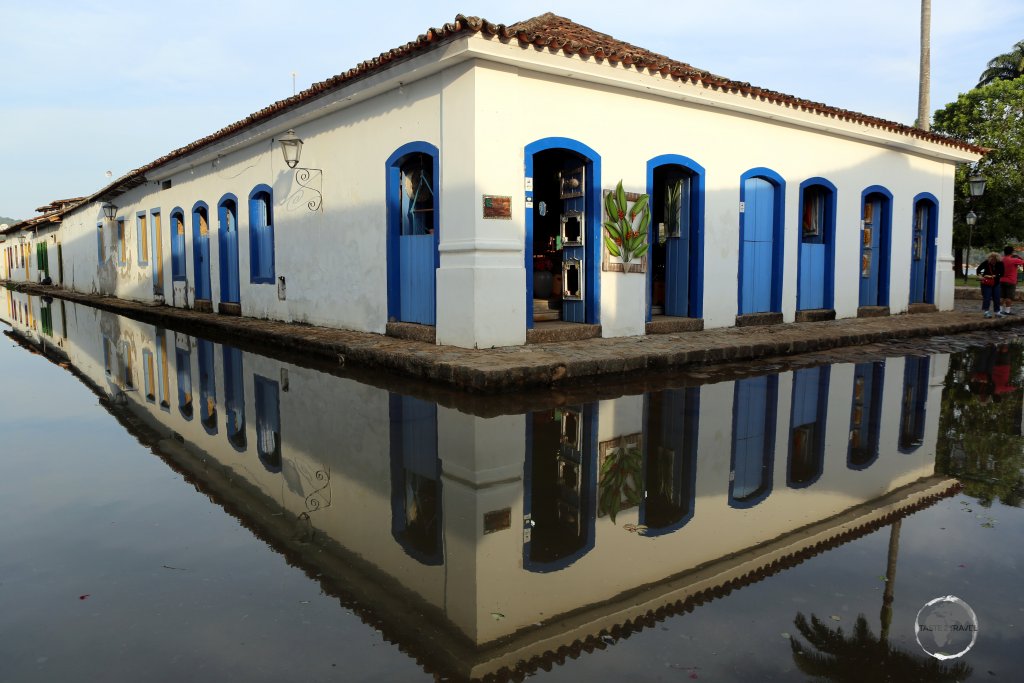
(417, 240)
(677, 245)
(871, 256)
(753, 439)
(757, 246)
(201, 253)
(812, 276)
(920, 267)
(228, 233)
(573, 222)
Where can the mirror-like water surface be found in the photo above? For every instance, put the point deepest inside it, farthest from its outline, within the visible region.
(178, 508)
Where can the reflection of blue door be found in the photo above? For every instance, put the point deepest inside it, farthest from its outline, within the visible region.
(207, 386)
(922, 266)
(807, 426)
(234, 398)
(757, 246)
(913, 403)
(670, 459)
(201, 251)
(755, 402)
(228, 235)
(415, 479)
(866, 414)
(874, 252)
(559, 506)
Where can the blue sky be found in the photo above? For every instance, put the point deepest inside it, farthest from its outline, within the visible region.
(90, 87)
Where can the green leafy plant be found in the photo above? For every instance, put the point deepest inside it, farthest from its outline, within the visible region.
(618, 484)
(626, 227)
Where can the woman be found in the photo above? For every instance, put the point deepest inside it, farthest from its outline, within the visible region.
(989, 272)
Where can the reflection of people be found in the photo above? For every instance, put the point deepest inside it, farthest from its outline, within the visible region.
(1008, 283)
(989, 272)
(1001, 372)
(980, 381)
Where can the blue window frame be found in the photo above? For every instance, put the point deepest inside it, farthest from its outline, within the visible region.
(142, 238)
(261, 235)
(268, 422)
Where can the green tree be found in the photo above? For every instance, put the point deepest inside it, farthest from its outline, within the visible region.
(990, 116)
(1008, 66)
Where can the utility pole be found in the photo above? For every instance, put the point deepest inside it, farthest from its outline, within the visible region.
(924, 116)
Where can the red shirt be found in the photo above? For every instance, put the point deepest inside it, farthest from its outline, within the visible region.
(1010, 264)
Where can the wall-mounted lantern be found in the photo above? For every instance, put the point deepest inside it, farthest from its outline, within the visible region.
(291, 148)
(109, 211)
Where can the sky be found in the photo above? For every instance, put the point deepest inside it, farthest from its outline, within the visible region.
(90, 87)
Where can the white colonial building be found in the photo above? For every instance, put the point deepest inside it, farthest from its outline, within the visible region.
(457, 184)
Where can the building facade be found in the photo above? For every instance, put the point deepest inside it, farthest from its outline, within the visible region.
(460, 183)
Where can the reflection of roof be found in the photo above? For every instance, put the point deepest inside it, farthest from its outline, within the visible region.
(545, 32)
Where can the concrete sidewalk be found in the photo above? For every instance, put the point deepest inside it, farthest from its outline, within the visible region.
(545, 364)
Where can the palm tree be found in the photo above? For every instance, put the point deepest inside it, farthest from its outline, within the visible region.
(1005, 67)
(924, 88)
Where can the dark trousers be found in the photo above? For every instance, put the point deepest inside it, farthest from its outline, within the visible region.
(990, 294)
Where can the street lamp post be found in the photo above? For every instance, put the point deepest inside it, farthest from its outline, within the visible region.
(976, 185)
(971, 219)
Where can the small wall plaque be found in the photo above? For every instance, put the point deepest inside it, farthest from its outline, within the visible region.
(496, 206)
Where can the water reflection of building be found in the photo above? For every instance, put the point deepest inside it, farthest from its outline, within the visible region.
(509, 538)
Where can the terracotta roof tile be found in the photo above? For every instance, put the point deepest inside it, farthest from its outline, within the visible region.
(548, 31)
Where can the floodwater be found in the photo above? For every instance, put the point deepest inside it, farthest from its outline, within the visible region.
(173, 508)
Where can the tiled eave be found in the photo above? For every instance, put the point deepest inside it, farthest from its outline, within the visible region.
(552, 34)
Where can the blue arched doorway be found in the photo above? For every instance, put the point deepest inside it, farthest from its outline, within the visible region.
(227, 233)
(816, 255)
(412, 233)
(676, 276)
(563, 223)
(762, 202)
(876, 240)
(923, 249)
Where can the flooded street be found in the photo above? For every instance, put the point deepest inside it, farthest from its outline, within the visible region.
(174, 508)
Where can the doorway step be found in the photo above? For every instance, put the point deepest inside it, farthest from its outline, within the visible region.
(545, 310)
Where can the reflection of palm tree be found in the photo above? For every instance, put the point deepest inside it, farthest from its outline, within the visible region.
(862, 657)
